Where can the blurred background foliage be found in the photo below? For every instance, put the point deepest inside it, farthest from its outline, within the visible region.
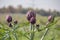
(20, 9)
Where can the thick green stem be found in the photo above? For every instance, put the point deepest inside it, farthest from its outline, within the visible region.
(32, 33)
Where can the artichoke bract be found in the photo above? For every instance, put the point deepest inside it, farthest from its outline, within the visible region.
(30, 14)
(8, 18)
(15, 21)
(10, 25)
(33, 20)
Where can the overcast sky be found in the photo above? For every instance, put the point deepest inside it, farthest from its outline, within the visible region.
(45, 4)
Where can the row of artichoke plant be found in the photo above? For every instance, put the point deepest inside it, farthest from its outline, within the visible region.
(31, 17)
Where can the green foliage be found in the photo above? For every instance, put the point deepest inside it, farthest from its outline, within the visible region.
(21, 31)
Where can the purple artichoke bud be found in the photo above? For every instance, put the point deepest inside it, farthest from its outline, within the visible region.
(33, 20)
(9, 18)
(15, 22)
(10, 25)
(51, 18)
(30, 14)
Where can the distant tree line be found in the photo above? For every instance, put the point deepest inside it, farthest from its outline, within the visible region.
(20, 9)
